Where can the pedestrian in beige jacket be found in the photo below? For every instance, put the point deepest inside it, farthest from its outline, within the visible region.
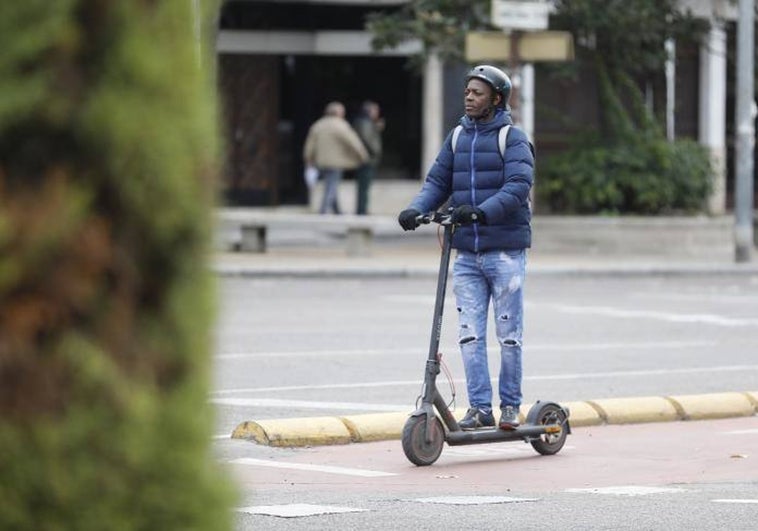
(333, 146)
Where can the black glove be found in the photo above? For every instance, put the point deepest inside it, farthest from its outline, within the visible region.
(467, 214)
(407, 219)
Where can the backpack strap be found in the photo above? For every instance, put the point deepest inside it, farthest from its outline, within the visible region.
(456, 134)
(502, 138)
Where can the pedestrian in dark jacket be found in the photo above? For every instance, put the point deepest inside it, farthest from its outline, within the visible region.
(489, 193)
(369, 126)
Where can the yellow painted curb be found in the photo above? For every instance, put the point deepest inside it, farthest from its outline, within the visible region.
(635, 410)
(582, 414)
(713, 406)
(310, 431)
(313, 431)
(375, 426)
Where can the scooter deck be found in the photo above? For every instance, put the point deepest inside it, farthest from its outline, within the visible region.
(489, 435)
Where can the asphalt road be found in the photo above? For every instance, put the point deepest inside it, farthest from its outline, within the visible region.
(291, 347)
(310, 347)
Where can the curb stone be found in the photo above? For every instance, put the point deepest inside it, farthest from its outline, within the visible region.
(320, 431)
(309, 431)
(635, 410)
(714, 406)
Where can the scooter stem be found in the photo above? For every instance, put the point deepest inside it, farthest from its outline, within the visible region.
(439, 303)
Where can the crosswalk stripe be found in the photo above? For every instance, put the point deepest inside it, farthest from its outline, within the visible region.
(628, 490)
(312, 468)
(295, 510)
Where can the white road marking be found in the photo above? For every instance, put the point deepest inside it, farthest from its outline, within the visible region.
(416, 299)
(607, 311)
(503, 451)
(474, 500)
(651, 372)
(313, 387)
(492, 451)
(305, 404)
(734, 501)
(297, 510)
(741, 432)
(311, 468)
(699, 297)
(314, 353)
(546, 377)
(628, 490)
(649, 345)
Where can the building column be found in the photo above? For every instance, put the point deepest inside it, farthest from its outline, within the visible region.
(432, 116)
(527, 99)
(670, 89)
(712, 110)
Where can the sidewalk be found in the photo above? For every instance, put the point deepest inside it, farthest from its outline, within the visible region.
(563, 245)
(316, 262)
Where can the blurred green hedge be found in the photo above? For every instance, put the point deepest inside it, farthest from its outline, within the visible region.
(108, 161)
(650, 176)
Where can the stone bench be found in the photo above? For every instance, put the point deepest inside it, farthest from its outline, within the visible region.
(254, 226)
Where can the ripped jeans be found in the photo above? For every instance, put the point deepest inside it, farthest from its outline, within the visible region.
(478, 277)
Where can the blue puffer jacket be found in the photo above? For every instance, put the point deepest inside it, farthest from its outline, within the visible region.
(476, 175)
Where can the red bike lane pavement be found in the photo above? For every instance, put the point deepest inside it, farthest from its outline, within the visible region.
(653, 454)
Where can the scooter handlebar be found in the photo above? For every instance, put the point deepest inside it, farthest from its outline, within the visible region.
(434, 217)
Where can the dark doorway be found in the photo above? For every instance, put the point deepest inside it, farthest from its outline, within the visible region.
(264, 161)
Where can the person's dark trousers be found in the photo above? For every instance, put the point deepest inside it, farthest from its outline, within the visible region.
(363, 177)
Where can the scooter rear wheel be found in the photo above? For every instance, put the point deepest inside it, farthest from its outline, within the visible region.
(550, 443)
(417, 448)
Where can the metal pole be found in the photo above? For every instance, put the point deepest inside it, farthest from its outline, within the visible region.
(745, 135)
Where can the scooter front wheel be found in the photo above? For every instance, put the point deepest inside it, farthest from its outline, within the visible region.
(550, 415)
(420, 449)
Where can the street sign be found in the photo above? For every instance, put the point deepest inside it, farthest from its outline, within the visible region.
(523, 15)
(532, 47)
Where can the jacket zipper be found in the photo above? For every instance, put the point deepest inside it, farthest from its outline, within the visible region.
(473, 183)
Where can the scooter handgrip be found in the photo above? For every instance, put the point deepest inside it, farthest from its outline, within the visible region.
(441, 218)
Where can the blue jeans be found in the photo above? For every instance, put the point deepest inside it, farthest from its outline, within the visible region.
(478, 278)
(332, 178)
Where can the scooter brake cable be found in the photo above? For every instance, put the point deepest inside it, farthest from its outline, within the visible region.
(446, 370)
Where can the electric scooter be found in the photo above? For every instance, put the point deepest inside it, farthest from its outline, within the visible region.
(425, 431)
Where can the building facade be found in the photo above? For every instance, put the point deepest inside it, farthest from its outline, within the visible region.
(280, 62)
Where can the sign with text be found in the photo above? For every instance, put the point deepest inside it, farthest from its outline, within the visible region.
(523, 15)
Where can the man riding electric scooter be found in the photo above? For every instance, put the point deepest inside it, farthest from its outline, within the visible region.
(484, 170)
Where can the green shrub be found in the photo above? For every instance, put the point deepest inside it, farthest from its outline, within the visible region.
(650, 176)
(108, 159)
